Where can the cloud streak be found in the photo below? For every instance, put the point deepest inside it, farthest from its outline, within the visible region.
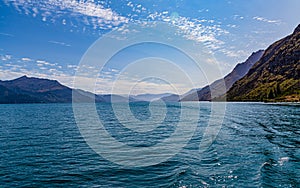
(26, 59)
(88, 8)
(59, 43)
(88, 12)
(262, 19)
(7, 34)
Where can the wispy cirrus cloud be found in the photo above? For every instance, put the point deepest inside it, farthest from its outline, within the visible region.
(7, 34)
(98, 15)
(89, 8)
(89, 12)
(205, 31)
(262, 19)
(59, 43)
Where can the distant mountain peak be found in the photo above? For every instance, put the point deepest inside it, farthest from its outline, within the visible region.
(297, 30)
(258, 51)
(254, 57)
(32, 84)
(22, 78)
(34, 79)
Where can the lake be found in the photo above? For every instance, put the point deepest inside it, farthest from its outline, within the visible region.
(257, 145)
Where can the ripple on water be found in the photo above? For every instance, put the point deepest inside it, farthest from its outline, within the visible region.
(258, 146)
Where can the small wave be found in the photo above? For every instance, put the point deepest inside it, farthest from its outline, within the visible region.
(283, 160)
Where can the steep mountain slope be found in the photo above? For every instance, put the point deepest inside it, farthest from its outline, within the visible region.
(275, 77)
(238, 72)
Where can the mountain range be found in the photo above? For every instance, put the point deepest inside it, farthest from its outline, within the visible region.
(238, 72)
(38, 90)
(267, 75)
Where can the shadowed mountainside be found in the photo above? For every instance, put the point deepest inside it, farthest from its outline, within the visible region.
(37, 90)
(238, 72)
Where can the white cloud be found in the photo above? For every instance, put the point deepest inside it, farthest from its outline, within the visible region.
(42, 62)
(262, 19)
(45, 63)
(263, 32)
(200, 30)
(89, 8)
(64, 22)
(26, 59)
(35, 11)
(72, 66)
(238, 17)
(136, 8)
(83, 11)
(59, 43)
(231, 25)
(114, 70)
(5, 57)
(7, 34)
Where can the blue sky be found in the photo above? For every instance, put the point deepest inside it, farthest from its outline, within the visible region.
(48, 38)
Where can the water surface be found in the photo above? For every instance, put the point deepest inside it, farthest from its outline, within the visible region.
(257, 146)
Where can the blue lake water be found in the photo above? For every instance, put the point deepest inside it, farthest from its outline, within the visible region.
(258, 146)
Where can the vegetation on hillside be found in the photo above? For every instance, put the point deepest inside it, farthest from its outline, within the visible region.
(275, 77)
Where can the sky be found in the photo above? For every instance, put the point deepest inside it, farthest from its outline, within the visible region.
(48, 39)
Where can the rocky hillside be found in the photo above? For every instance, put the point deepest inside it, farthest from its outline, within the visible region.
(275, 77)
